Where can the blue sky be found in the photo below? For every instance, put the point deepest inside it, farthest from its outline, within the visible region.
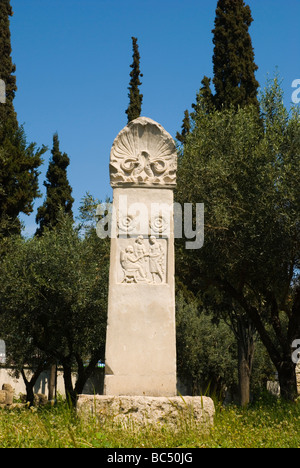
(73, 59)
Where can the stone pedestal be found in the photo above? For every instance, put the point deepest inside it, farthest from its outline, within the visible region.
(139, 411)
(6, 395)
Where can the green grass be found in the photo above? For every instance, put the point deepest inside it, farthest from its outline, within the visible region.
(266, 424)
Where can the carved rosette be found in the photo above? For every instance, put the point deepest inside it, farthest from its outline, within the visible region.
(143, 154)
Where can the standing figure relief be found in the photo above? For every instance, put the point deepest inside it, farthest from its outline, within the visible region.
(144, 265)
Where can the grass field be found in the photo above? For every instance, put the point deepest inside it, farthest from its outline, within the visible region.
(268, 423)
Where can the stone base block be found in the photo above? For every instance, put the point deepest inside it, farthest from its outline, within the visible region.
(145, 410)
(2, 397)
(6, 395)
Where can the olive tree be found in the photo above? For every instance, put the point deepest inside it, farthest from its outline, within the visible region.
(245, 169)
(53, 299)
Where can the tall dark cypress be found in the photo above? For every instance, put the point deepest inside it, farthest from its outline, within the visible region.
(135, 97)
(19, 162)
(205, 96)
(58, 193)
(185, 128)
(7, 68)
(233, 59)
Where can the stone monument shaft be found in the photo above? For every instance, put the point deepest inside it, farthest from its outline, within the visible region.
(140, 343)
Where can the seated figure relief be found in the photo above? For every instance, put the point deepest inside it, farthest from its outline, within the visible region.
(141, 264)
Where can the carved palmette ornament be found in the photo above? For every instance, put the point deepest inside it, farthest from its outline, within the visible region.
(143, 154)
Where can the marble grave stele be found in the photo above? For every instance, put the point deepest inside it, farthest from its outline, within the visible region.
(140, 361)
(140, 344)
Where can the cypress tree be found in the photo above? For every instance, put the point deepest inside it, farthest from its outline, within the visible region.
(19, 162)
(185, 128)
(207, 98)
(205, 101)
(135, 97)
(233, 59)
(7, 68)
(58, 193)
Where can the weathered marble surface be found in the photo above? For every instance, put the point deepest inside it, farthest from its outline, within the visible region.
(141, 410)
(140, 346)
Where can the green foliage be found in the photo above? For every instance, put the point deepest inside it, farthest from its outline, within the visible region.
(59, 191)
(53, 297)
(7, 68)
(135, 97)
(185, 128)
(206, 351)
(19, 175)
(247, 176)
(87, 210)
(233, 59)
(205, 98)
(267, 424)
(234, 69)
(19, 161)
